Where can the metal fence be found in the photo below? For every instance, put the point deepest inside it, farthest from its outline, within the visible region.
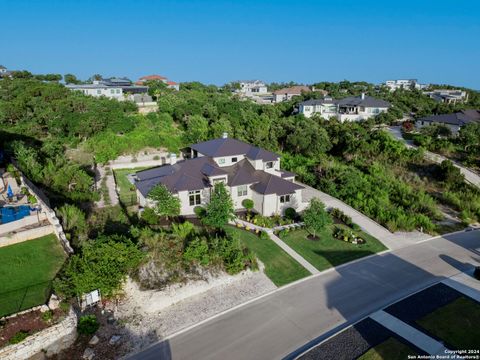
(24, 298)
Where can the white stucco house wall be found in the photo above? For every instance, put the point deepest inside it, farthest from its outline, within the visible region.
(252, 87)
(353, 108)
(248, 172)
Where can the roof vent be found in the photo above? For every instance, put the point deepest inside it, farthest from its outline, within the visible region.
(225, 135)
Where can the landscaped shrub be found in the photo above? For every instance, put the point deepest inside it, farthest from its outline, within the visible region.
(32, 199)
(197, 251)
(47, 316)
(264, 236)
(340, 215)
(199, 211)
(88, 325)
(290, 213)
(248, 204)
(18, 337)
(149, 216)
(347, 235)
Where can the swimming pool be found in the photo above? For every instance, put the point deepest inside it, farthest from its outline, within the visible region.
(13, 213)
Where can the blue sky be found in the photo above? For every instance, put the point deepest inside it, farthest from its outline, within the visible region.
(220, 41)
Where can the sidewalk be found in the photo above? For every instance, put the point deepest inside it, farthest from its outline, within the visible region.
(312, 269)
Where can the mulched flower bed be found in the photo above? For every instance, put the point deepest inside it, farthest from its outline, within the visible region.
(30, 322)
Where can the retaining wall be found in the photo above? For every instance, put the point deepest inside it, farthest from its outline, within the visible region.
(50, 341)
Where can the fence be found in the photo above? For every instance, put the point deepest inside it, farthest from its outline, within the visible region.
(24, 298)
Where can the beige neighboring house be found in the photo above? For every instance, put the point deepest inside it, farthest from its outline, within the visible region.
(448, 96)
(286, 94)
(170, 84)
(406, 84)
(352, 108)
(247, 171)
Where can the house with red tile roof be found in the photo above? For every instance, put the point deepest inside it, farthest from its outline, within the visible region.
(170, 84)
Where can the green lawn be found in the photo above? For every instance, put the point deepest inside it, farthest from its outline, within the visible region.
(456, 323)
(280, 267)
(328, 251)
(126, 194)
(390, 349)
(26, 270)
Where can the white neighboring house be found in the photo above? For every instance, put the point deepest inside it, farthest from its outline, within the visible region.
(113, 88)
(248, 172)
(448, 96)
(453, 121)
(252, 87)
(406, 84)
(353, 108)
(3, 69)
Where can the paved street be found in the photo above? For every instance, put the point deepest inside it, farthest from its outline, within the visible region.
(276, 325)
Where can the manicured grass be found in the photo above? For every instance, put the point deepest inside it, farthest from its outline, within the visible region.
(26, 270)
(328, 251)
(280, 267)
(126, 194)
(456, 323)
(390, 349)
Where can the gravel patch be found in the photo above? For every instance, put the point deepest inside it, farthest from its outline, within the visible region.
(142, 326)
(422, 303)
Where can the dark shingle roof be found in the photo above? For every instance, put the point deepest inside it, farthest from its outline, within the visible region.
(459, 118)
(192, 174)
(367, 101)
(231, 147)
(327, 100)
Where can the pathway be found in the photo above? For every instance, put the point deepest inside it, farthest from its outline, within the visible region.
(409, 333)
(111, 187)
(470, 176)
(312, 269)
(389, 239)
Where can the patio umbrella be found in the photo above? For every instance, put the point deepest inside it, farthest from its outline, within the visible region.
(9, 191)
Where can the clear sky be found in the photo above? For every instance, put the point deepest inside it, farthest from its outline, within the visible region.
(218, 41)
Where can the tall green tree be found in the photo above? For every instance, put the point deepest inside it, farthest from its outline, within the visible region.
(167, 204)
(315, 217)
(219, 211)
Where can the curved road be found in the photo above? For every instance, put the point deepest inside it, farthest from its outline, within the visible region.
(277, 325)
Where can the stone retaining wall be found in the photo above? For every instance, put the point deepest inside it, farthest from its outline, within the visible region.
(50, 214)
(51, 340)
(26, 235)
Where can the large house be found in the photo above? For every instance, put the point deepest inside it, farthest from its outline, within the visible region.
(453, 121)
(353, 108)
(407, 84)
(247, 171)
(113, 88)
(170, 84)
(252, 87)
(448, 96)
(286, 94)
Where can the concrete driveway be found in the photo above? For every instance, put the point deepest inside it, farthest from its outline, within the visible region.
(277, 325)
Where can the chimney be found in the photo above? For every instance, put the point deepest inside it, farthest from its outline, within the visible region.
(225, 135)
(363, 96)
(173, 159)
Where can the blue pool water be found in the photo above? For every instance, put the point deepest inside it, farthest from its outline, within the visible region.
(13, 213)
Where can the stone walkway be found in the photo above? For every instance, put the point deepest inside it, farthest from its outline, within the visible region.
(409, 333)
(111, 186)
(312, 269)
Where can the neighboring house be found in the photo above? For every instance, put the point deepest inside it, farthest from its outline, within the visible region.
(113, 88)
(353, 108)
(448, 96)
(170, 84)
(286, 94)
(252, 87)
(247, 171)
(453, 121)
(4, 72)
(407, 84)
